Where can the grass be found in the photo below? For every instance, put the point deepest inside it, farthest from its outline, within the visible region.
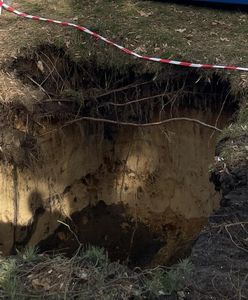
(234, 151)
(29, 254)
(192, 33)
(164, 283)
(95, 255)
(88, 275)
(8, 278)
(232, 142)
(157, 28)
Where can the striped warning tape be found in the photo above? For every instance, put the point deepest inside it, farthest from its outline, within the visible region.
(127, 51)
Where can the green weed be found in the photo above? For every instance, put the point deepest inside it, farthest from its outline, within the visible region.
(30, 254)
(95, 255)
(163, 282)
(8, 278)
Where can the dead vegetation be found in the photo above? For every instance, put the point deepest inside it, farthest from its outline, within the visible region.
(87, 275)
(12, 90)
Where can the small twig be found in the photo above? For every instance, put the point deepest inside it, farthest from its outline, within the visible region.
(52, 70)
(174, 99)
(231, 238)
(237, 223)
(125, 166)
(241, 287)
(36, 83)
(132, 239)
(74, 234)
(221, 109)
(219, 115)
(229, 224)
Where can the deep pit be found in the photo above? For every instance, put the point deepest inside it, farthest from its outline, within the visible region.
(143, 193)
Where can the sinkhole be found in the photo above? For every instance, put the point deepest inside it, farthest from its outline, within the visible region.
(77, 174)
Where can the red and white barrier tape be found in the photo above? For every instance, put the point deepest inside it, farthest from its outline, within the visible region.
(127, 51)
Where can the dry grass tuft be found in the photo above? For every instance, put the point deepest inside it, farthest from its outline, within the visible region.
(13, 90)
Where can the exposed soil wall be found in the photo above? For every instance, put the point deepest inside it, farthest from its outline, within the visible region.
(158, 177)
(141, 192)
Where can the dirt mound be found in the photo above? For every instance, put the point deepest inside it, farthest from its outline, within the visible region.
(220, 253)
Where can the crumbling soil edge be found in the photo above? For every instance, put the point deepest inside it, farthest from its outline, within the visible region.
(219, 255)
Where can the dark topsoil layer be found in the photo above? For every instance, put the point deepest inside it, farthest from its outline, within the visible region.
(220, 252)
